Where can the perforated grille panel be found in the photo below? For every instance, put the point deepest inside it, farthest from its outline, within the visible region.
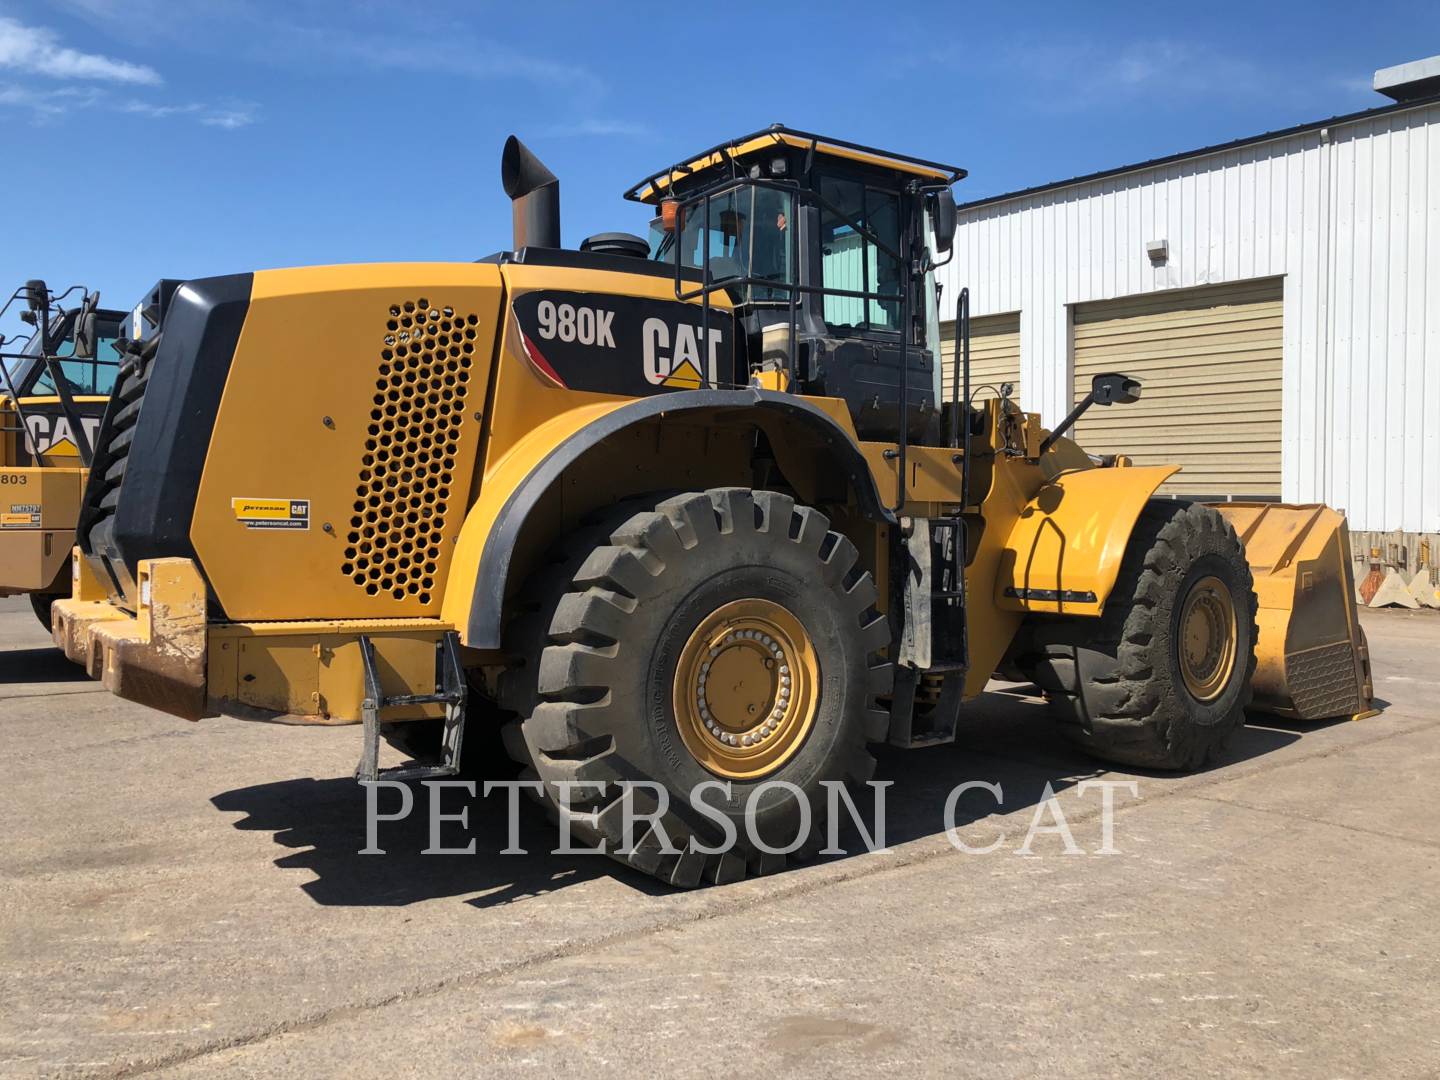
(426, 353)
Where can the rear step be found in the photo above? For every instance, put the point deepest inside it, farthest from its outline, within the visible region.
(450, 691)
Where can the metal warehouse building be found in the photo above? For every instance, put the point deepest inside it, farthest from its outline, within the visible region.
(1278, 296)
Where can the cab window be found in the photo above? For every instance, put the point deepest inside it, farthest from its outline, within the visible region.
(745, 234)
(82, 377)
(850, 261)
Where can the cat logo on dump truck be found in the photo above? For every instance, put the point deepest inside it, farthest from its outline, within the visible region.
(627, 345)
(49, 434)
(272, 513)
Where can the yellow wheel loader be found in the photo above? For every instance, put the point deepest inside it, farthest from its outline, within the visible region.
(697, 509)
(54, 383)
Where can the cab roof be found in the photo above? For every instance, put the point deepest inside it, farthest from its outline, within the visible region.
(655, 186)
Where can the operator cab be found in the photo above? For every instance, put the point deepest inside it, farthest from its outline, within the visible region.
(828, 250)
(55, 387)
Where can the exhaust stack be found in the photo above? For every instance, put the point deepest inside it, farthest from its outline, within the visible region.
(535, 196)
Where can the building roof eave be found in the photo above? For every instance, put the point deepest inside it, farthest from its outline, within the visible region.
(1204, 151)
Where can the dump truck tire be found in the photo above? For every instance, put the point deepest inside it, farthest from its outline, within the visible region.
(1162, 679)
(608, 702)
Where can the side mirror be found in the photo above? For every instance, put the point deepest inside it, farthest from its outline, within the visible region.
(943, 220)
(1112, 388)
(37, 295)
(84, 333)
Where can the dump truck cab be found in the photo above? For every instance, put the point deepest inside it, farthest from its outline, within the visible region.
(663, 512)
(53, 390)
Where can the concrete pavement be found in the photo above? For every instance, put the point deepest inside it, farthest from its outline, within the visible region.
(187, 897)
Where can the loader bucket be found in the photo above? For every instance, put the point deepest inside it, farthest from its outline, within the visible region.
(1311, 659)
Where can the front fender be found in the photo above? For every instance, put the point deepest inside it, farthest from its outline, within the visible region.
(481, 570)
(1063, 553)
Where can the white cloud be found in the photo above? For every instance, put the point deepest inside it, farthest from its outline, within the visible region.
(48, 105)
(622, 129)
(227, 116)
(1080, 73)
(157, 112)
(445, 50)
(229, 119)
(37, 50)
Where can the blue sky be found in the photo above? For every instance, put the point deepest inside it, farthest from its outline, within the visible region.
(149, 138)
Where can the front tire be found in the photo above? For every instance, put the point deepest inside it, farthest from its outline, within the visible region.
(1162, 679)
(725, 635)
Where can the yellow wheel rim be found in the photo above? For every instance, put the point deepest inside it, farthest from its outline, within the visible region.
(1207, 639)
(746, 689)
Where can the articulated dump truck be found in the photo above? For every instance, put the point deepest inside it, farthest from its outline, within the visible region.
(54, 383)
(697, 507)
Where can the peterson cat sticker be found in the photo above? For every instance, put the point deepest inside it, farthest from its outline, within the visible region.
(272, 513)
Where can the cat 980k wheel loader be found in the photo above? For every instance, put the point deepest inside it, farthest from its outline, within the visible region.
(697, 508)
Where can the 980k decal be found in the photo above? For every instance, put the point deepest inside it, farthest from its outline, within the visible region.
(628, 345)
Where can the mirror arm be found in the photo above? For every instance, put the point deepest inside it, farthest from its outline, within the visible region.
(1069, 421)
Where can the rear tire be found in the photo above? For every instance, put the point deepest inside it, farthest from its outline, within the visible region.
(1162, 679)
(605, 704)
(40, 604)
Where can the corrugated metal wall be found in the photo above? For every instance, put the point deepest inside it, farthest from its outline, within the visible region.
(1351, 220)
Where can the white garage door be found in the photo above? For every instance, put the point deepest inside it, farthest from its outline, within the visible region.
(1209, 363)
(994, 353)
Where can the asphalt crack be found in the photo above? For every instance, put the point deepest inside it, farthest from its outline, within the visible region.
(1294, 815)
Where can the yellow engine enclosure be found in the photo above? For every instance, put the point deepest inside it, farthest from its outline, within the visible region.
(341, 398)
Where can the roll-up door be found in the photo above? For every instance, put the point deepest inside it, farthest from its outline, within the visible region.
(1208, 360)
(994, 353)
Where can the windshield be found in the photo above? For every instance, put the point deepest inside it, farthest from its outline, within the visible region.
(32, 378)
(746, 233)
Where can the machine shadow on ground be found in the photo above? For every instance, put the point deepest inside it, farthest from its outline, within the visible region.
(45, 664)
(1009, 740)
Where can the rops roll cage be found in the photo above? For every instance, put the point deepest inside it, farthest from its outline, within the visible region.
(916, 265)
(53, 330)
